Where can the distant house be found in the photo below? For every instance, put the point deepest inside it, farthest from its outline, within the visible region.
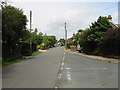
(70, 42)
(72, 39)
(112, 23)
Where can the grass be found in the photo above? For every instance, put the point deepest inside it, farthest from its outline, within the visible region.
(116, 57)
(12, 62)
(19, 59)
(36, 53)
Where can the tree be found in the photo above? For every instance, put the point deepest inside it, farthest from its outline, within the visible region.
(26, 36)
(49, 41)
(98, 29)
(91, 39)
(13, 23)
(37, 38)
(111, 43)
(62, 40)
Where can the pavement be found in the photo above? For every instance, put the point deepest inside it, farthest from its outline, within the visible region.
(100, 58)
(42, 50)
(59, 69)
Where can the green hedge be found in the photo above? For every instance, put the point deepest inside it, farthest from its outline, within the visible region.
(26, 48)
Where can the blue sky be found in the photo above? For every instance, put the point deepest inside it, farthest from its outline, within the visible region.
(49, 17)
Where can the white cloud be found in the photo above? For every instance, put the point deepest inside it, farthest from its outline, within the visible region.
(65, 0)
(50, 17)
(75, 19)
(115, 16)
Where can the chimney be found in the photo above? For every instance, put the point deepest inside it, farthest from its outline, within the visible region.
(109, 18)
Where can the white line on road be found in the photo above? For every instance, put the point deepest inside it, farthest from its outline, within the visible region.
(64, 57)
(62, 63)
(68, 68)
(68, 75)
(59, 75)
(96, 68)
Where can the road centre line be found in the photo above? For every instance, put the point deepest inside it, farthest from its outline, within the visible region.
(59, 75)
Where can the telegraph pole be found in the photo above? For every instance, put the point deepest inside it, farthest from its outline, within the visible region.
(65, 36)
(30, 32)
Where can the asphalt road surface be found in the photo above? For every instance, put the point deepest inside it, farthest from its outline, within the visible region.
(59, 69)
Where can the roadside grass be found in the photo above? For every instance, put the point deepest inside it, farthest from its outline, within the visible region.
(107, 61)
(13, 61)
(20, 59)
(116, 58)
(36, 53)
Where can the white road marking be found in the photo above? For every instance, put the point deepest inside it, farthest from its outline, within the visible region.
(62, 63)
(68, 74)
(55, 88)
(68, 68)
(96, 68)
(61, 68)
(63, 57)
(68, 77)
(60, 72)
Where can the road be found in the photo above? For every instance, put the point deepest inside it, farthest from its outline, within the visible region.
(56, 68)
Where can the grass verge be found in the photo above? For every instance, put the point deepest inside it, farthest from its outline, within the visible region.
(36, 53)
(13, 61)
(19, 59)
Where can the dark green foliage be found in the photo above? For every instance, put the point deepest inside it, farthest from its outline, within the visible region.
(26, 49)
(26, 36)
(13, 23)
(36, 38)
(92, 39)
(62, 40)
(111, 45)
(34, 46)
(68, 45)
(16, 38)
(98, 29)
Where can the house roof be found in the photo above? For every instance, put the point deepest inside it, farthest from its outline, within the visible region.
(118, 25)
(114, 25)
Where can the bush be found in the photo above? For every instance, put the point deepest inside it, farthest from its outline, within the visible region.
(111, 45)
(10, 53)
(68, 45)
(26, 48)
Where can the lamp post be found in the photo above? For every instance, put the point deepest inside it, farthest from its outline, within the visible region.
(65, 36)
(30, 32)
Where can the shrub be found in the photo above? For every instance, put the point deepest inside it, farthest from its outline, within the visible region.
(111, 45)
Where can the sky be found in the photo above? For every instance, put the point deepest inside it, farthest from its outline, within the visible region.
(49, 16)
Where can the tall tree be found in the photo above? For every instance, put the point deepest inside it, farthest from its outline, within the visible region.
(13, 23)
(49, 41)
(92, 38)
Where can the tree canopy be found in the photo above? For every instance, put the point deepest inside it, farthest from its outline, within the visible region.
(92, 38)
(13, 24)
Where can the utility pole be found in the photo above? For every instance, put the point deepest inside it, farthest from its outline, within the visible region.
(65, 36)
(30, 32)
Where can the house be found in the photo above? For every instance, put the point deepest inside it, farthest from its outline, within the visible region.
(72, 39)
(112, 23)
